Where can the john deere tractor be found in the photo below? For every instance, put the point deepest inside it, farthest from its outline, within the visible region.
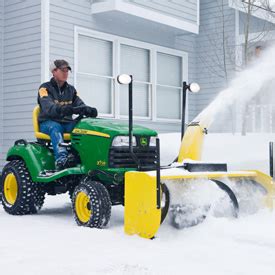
(100, 151)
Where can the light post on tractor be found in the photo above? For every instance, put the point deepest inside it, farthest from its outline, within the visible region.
(194, 88)
(126, 79)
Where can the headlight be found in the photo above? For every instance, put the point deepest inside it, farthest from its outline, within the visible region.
(124, 79)
(123, 141)
(194, 87)
(153, 141)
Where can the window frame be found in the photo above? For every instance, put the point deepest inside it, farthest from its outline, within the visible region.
(153, 50)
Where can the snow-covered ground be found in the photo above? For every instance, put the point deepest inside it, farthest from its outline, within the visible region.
(51, 243)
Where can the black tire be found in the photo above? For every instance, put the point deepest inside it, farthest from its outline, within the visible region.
(0, 189)
(28, 198)
(91, 204)
(71, 192)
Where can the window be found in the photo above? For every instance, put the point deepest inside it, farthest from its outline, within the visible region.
(94, 76)
(137, 61)
(158, 73)
(169, 81)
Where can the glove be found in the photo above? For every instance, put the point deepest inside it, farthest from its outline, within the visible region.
(66, 110)
(90, 111)
(79, 110)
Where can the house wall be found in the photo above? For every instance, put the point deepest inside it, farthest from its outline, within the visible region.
(21, 73)
(188, 43)
(78, 13)
(255, 24)
(1, 72)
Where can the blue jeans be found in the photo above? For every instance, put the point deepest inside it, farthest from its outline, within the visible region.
(55, 130)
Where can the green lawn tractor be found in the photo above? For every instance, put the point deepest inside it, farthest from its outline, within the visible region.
(100, 151)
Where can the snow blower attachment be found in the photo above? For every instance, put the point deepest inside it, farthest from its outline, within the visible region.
(188, 190)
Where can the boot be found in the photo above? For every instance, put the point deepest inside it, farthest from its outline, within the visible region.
(65, 162)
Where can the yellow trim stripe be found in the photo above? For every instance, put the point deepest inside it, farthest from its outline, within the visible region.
(89, 132)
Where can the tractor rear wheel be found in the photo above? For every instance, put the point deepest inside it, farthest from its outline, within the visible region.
(20, 195)
(91, 204)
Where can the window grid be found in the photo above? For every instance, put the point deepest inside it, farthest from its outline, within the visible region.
(152, 83)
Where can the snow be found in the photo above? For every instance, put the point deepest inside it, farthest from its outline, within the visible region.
(51, 242)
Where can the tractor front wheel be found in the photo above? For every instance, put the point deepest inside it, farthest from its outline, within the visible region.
(20, 195)
(91, 204)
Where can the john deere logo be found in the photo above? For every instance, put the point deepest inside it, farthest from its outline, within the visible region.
(101, 163)
(143, 141)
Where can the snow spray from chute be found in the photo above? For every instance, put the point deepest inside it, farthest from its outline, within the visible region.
(243, 88)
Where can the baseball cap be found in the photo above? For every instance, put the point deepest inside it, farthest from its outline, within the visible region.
(59, 64)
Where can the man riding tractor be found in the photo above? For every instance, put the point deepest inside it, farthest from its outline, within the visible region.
(58, 101)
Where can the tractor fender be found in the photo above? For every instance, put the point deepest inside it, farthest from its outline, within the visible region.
(37, 157)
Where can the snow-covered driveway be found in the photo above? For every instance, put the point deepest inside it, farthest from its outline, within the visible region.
(51, 243)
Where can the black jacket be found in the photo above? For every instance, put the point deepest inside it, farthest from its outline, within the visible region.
(50, 97)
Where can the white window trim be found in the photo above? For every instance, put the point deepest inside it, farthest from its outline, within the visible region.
(45, 40)
(152, 48)
(198, 12)
(119, 5)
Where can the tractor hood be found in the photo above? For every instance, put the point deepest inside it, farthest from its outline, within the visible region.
(112, 128)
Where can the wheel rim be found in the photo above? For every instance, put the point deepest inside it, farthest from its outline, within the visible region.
(83, 207)
(10, 188)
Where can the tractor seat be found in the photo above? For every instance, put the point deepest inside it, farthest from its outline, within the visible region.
(37, 133)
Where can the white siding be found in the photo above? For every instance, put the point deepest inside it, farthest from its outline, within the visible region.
(187, 43)
(255, 24)
(183, 10)
(1, 72)
(21, 72)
